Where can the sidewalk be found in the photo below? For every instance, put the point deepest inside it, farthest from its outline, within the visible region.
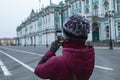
(114, 48)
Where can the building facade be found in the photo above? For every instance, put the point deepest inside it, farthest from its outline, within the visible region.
(6, 41)
(41, 28)
(27, 32)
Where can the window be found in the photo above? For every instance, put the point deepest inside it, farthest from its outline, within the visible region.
(31, 28)
(79, 11)
(118, 6)
(87, 1)
(26, 30)
(106, 5)
(66, 13)
(119, 32)
(49, 18)
(80, 4)
(76, 4)
(21, 33)
(87, 10)
(57, 18)
(107, 32)
(72, 6)
(46, 19)
(95, 12)
(118, 28)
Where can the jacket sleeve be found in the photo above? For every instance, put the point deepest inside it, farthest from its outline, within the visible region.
(47, 69)
(47, 55)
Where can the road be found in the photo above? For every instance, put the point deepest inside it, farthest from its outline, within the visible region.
(18, 63)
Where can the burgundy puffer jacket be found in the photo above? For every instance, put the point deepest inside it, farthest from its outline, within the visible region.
(76, 59)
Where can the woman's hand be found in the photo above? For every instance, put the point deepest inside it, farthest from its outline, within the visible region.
(55, 46)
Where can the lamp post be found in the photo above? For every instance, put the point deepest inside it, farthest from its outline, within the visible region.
(110, 15)
(110, 46)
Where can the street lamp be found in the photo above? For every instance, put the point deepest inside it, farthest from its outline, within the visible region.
(110, 15)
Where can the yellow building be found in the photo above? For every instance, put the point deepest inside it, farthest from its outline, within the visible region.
(6, 41)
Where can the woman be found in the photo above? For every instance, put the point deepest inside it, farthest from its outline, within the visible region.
(77, 60)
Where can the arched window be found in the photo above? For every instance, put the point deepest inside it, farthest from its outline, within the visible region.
(106, 5)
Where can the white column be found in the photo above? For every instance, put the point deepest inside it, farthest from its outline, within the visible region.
(111, 5)
(115, 5)
(100, 8)
(112, 20)
(83, 8)
(90, 34)
(69, 11)
(90, 19)
(90, 3)
(60, 19)
(112, 28)
(68, 4)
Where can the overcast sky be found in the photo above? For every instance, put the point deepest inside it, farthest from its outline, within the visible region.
(13, 12)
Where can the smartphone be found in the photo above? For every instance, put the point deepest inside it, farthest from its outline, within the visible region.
(59, 37)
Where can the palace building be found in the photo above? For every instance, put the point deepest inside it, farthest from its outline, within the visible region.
(41, 28)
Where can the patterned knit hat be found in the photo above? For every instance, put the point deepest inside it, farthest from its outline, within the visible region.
(76, 26)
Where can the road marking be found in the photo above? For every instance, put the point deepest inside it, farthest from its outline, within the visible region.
(105, 68)
(96, 66)
(23, 51)
(23, 64)
(4, 69)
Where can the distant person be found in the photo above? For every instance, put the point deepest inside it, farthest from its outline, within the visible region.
(77, 59)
